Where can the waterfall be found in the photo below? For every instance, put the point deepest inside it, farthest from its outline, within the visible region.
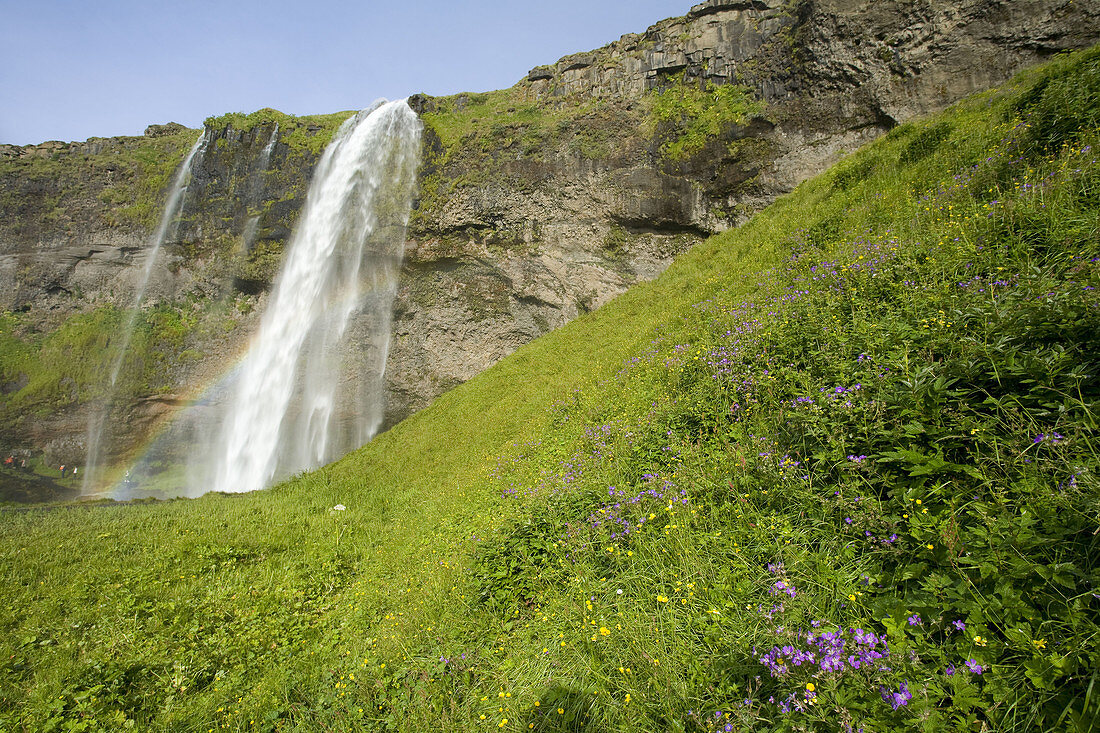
(169, 223)
(311, 385)
(255, 190)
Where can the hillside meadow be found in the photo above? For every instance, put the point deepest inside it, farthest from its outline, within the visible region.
(835, 470)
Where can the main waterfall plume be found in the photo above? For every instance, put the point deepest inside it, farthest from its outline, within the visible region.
(311, 385)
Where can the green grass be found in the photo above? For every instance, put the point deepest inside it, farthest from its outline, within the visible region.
(66, 365)
(872, 407)
(305, 134)
(490, 115)
(125, 181)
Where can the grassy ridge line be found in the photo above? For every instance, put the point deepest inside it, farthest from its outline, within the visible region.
(960, 257)
(475, 139)
(306, 133)
(124, 179)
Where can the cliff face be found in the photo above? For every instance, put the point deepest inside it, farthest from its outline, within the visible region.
(536, 203)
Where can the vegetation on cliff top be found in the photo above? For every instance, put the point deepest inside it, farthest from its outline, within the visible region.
(681, 114)
(117, 180)
(510, 138)
(309, 133)
(120, 181)
(475, 139)
(834, 470)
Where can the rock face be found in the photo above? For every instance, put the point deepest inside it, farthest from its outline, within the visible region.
(536, 203)
(833, 72)
(907, 58)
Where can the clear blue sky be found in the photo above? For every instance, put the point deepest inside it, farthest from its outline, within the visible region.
(72, 69)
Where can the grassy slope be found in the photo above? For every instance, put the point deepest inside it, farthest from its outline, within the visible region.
(474, 575)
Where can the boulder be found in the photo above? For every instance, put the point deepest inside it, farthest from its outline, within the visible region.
(163, 130)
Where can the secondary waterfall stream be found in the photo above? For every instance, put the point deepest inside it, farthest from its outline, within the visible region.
(311, 385)
(169, 220)
(256, 189)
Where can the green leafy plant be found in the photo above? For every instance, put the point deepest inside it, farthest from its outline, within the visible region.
(685, 116)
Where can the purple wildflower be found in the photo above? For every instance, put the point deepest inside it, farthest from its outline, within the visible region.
(782, 587)
(897, 699)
